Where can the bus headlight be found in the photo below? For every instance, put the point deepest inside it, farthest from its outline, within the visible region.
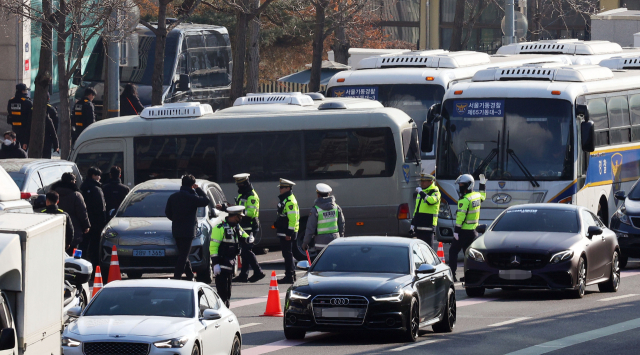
(444, 211)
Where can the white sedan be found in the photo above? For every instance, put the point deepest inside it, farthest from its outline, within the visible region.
(153, 317)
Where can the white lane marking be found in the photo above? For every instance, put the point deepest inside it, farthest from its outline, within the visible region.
(578, 338)
(618, 297)
(282, 344)
(272, 261)
(413, 345)
(626, 273)
(471, 301)
(249, 325)
(251, 301)
(511, 321)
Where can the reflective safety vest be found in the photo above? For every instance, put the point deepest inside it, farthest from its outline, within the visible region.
(427, 208)
(225, 244)
(327, 221)
(468, 214)
(288, 216)
(251, 203)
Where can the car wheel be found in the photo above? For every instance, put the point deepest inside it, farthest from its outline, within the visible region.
(474, 291)
(413, 322)
(134, 275)
(448, 321)
(235, 348)
(298, 252)
(623, 261)
(294, 334)
(581, 282)
(196, 350)
(206, 275)
(613, 283)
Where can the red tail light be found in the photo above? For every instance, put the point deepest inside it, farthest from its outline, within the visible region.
(25, 195)
(403, 211)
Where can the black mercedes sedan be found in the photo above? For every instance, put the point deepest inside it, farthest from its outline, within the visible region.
(544, 246)
(625, 222)
(372, 283)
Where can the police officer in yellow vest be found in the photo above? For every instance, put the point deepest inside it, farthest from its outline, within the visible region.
(467, 218)
(325, 222)
(287, 224)
(425, 216)
(20, 109)
(83, 113)
(225, 248)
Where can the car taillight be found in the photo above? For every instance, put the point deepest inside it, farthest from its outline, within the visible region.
(25, 195)
(403, 211)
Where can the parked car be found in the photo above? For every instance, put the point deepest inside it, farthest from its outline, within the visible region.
(35, 176)
(153, 317)
(388, 284)
(625, 222)
(543, 246)
(10, 200)
(142, 234)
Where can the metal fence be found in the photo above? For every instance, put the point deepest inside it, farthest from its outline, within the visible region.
(279, 86)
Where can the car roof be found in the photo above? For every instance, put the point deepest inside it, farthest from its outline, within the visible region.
(548, 206)
(168, 184)
(165, 283)
(24, 165)
(374, 240)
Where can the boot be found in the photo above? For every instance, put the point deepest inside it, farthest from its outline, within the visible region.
(257, 276)
(240, 278)
(286, 280)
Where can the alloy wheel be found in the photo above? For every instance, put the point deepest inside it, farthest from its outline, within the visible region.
(582, 278)
(452, 310)
(616, 272)
(235, 350)
(415, 321)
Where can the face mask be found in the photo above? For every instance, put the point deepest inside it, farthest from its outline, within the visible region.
(8, 142)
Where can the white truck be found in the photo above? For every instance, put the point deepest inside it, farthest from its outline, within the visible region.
(31, 278)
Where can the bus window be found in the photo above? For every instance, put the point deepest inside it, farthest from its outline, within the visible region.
(618, 110)
(104, 161)
(598, 114)
(410, 145)
(195, 40)
(634, 109)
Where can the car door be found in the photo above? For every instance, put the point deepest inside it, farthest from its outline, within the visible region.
(437, 278)
(594, 248)
(607, 246)
(424, 285)
(228, 322)
(210, 333)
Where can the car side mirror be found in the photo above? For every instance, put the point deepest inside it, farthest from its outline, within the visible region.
(303, 265)
(211, 314)
(213, 213)
(184, 84)
(620, 195)
(426, 269)
(481, 228)
(588, 136)
(112, 213)
(7, 339)
(74, 312)
(593, 230)
(77, 77)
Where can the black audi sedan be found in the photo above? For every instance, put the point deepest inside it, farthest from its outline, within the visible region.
(372, 283)
(625, 222)
(544, 246)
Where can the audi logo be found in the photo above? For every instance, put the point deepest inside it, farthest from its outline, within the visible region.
(339, 301)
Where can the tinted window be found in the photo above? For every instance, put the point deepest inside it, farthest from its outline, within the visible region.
(104, 161)
(211, 298)
(268, 156)
(598, 114)
(429, 256)
(537, 220)
(50, 175)
(354, 258)
(144, 203)
(139, 301)
(350, 153)
(195, 40)
(634, 194)
(18, 178)
(417, 257)
(171, 157)
(202, 302)
(618, 110)
(410, 145)
(634, 110)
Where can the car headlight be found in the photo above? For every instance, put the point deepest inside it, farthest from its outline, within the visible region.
(171, 343)
(475, 255)
(561, 256)
(444, 211)
(389, 297)
(72, 343)
(622, 215)
(295, 295)
(109, 232)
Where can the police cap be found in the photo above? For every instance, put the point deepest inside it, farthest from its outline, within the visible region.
(240, 178)
(235, 210)
(323, 188)
(21, 87)
(427, 177)
(286, 183)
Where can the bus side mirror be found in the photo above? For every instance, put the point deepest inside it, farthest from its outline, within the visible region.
(184, 84)
(582, 110)
(426, 145)
(433, 115)
(588, 135)
(7, 339)
(77, 77)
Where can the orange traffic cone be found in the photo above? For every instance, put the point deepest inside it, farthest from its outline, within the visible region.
(97, 283)
(274, 308)
(114, 268)
(441, 252)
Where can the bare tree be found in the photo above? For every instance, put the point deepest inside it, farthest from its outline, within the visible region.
(560, 13)
(467, 13)
(253, 54)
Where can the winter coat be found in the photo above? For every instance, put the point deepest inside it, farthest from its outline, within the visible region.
(12, 152)
(50, 138)
(94, 198)
(130, 105)
(182, 209)
(114, 193)
(72, 202)
(325, 203)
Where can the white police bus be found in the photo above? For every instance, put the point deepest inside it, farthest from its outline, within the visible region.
(579, 52)
(367, 153)
(540, 133)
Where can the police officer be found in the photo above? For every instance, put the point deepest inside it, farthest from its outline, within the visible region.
(52, 199)
(325, 222)
(467, 218)
(287, 225)
(83, 113)
(225, 248)
(20, 109)
(425, 215)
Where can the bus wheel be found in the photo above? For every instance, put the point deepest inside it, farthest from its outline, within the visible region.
(603, 213)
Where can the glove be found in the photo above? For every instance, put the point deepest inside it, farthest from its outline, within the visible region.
(305, 246)
(418, 189)
(217, 270)
(251, 239)
(483, 180)
(412, 230)
(455, 235)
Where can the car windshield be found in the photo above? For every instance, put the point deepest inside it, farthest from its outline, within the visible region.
(147, 203)
(143, 301)
(532, 219)
(356, 258)
(506, 139)
(415, 100)
(18, 178)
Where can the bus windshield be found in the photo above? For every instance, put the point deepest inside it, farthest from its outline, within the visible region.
(415, 100)
(506, 139)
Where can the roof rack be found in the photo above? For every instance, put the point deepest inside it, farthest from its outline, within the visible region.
(286, 98)
(561, 46)
(437, 58)
(177, 110)
(632, 62)
(547, 72)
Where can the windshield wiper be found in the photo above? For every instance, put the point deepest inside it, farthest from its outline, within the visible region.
(492, 154)
(521, 165)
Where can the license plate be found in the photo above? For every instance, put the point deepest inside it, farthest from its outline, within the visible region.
(515, 274)
(340, 312)
(148, 253)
